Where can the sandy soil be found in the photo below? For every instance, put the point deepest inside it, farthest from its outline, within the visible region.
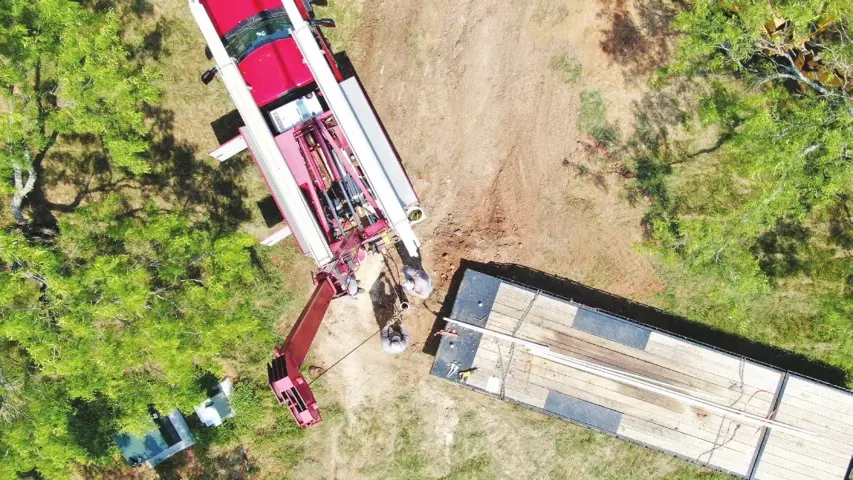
(488, 133)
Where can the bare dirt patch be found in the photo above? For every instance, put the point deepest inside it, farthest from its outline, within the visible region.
(489, 133)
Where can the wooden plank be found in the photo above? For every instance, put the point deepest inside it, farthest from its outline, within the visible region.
(766, 470)
(828, 435)
(559, 307)
(533, 395)
(840, 396)
(699, 450)
(498, 345)
(741, 402)
(725, 377)
(561, 327)
(737, 368)
(490, 361)
(513, 297)
(500, 322)
(630, 359)
(641, 363)
(832, 454)
(703, 357)
(511, 380)
(752, 403)
(513, 292)
(479, 379)
(636, 423)
(675, 415)
(789, 410)
(769, 476)
(828, 398)
(519, 365)
(743, 445)
(511, 312)
(516, 384)
(801, 462)
(806, 410)
(701, 424)
(551, 310)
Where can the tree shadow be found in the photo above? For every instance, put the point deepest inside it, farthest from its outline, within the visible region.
(598, 178)
(77, 170)
(184, 464)
(779, 250)
(124, 7)
(642, 314)
(92, 425)
(192, 184)
(651, 151)
(179, 180)
(639, 36)
(233, 464)
(154, 43)
(841, 223)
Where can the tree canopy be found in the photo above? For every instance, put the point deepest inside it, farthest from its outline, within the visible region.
(124, 311)
(800, 40)
(757, 232)
(126, 304)
(65, 71)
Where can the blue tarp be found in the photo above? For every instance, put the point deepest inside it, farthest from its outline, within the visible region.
(152, 448)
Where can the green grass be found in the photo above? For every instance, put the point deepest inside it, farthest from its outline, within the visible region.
(348, 15)
(692, 474)
(567, 68)
(592, 119)
(472, 457)
(553, 13)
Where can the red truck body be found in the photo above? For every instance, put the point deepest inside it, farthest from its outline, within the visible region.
(308, 158)
(272, 68)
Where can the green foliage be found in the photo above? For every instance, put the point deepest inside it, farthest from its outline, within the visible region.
(66, 73)
(592, 118)
(755, 236)
(471, 453)
(691, 473)
(730, 37)
(126, 310)
(567, 67)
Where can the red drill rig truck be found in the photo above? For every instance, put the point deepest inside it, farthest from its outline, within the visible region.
(327, 161)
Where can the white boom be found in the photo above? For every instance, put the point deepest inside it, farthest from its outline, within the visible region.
(315, 58)
(261, 142)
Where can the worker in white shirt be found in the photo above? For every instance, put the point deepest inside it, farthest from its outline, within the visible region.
(417, 282)
(395, 337)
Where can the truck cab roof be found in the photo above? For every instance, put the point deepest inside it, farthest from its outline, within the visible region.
(256, 34)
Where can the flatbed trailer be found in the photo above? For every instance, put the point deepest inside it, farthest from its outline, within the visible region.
(807, 432)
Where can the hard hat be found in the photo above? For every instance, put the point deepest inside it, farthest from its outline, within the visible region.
(409, 285)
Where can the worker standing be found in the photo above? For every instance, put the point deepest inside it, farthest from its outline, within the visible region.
(417, 282)
(395, 338)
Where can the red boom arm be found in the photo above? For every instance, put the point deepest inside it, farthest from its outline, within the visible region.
(287, 383)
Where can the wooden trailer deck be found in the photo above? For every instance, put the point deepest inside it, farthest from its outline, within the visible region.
(509, 371)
